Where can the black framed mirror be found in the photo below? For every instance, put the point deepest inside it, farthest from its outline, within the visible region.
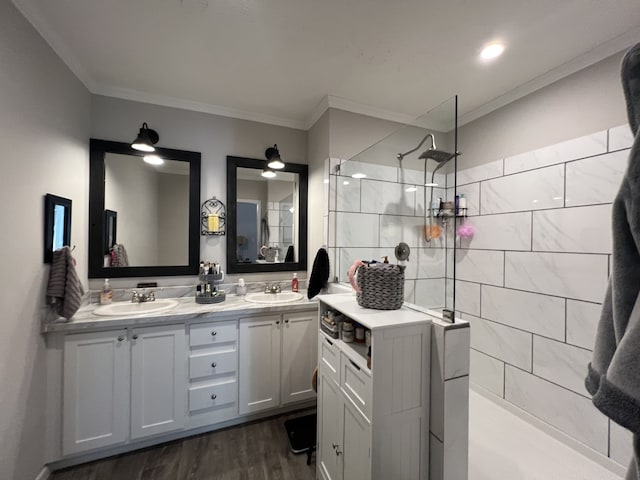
(57, 224)
(266, 217)
(157, 209)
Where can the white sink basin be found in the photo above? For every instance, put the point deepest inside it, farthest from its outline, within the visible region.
(128, 308)
(271, 298)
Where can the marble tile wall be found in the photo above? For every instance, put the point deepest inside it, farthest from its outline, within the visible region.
(367, 217)
(532, 278)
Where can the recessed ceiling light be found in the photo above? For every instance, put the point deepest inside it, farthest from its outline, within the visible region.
(491, 51)
(346, 182)
(430, 184)
(153, 159)
(410, 189)
(359, 175)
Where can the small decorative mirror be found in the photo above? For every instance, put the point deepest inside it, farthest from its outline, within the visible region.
(57, 224)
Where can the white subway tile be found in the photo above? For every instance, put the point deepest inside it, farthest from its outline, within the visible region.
(357, 230)
(621, 450)
(573, 149)
(476, 174)
(578, 230)
(582, 323)
(468, 297)
(431, 262)
(347, 196)
(386, 198)
(430, 293)
(395, 229)
(505, 343)
(540, 314)
(371, 170)
(565, 410)
(620, 138)
(416, 177)
(560, 363)
(487, 372)
(481, 266)
(534, 190)
(571, 275)
(510, 231)
(595, 180)
(456, 352)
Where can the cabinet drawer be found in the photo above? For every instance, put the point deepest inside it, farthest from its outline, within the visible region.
(212, 364)
(213, 333)
(356, 384)
(329, 357)
(212, 395)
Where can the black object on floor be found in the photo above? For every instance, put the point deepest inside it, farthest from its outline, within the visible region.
(301, 432)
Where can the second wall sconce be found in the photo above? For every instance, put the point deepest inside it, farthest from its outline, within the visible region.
(273, 156)
(146, 139)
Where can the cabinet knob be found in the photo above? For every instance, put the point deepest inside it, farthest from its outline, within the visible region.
(214, 333)
(214, 365)
(135, 337)
(277, 322)
(334, 445)
(286, 321)
(213, 396)
(338, 452)
(120, 338)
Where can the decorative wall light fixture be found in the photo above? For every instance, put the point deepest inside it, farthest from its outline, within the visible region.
(273, 157)
(146, 139)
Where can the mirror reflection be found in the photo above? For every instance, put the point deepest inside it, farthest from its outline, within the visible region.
(265, 210)
(152, 206)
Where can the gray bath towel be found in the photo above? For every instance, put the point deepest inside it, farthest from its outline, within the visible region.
(64, 291)
(613, 377)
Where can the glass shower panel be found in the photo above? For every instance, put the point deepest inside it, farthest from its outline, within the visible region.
(378, 198)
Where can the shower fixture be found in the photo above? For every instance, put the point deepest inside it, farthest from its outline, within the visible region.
(440, 157)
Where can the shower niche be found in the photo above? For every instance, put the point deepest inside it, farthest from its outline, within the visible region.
(402, 189)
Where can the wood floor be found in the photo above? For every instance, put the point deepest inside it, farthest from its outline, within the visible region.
(254, 451)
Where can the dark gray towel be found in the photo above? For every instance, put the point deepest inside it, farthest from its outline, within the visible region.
(64, 290)
(613, 377)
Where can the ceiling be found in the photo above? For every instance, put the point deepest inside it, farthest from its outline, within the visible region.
(285, 61)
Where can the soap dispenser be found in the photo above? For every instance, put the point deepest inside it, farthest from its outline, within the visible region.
(294, 282)
(106, 295)
(241, 289)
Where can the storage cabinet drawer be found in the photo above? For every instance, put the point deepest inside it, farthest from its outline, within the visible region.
(212, 364)
(356, 384)
(329, 357)
(213, 333)
(212, 395)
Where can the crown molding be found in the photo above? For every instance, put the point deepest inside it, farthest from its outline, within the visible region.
(167, 101)
(368, 110)
(317, 112)
(602, 51)
(38, 22)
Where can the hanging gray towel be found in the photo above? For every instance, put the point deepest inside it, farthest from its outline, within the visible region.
(613, 378)
(64, 290)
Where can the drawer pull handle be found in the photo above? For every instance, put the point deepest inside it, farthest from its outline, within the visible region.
(338, 452)
(214, 333)
(135, 337)
(334, 445)
(214, 365)
(354, 365)
(120, 338)
(213, 396)
(329, 341)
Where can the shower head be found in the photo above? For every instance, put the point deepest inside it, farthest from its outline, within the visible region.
(439, 156)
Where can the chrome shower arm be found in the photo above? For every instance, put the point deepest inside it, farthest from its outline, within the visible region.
(400, 156)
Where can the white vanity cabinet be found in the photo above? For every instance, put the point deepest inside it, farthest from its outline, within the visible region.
(277, 359)
(122, 384)
(373, 423)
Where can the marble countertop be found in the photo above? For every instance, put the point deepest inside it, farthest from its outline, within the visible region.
(186, 310)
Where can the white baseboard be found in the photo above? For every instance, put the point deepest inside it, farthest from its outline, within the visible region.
(550, 430)
(44, 474)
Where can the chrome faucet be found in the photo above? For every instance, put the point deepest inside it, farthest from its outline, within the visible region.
(272, 288)
(141, 297)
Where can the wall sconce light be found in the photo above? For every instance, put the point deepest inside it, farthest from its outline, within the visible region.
(273, 156)
(146, 139)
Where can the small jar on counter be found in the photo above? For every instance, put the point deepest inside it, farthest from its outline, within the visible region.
(348, 335)
(359, 334)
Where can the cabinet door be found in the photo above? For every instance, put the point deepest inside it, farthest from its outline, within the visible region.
(356, 443)
(259, 373)
(158, 380)
(95, 390)
(329, 428)
(299, 356)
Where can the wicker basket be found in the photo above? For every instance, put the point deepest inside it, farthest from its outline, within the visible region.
(381, 285)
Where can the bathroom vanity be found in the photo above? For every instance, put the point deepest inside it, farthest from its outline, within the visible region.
(373, 422)
(120, 383)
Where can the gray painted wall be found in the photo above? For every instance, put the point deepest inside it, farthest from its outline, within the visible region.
(44, 127)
